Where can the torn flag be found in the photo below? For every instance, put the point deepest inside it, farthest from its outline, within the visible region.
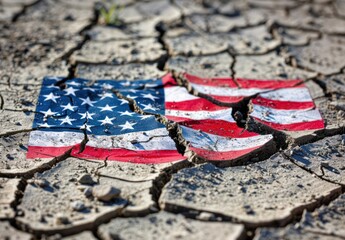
(114, 131)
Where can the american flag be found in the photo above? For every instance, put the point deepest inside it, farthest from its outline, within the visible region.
(114, 131)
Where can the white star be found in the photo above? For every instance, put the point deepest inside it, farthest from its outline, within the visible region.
(86, 115)
(51, 96)
(67, 120)
(145, 116)
(127, 125)
(107, 108)
(73, 83)
(68, 107)
(48, 113)
(149, 107)
(105, 95)
(131, 97)
(123, 101)
(126, 113)
(106, 120)
(149, 96)
(87, 101)
(45, 125)
(126, 84)
(52, 86)
(89, 88)
(70, 91)
(87, 127)
(107, 86)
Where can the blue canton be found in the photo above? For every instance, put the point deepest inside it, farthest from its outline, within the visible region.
(95, 107)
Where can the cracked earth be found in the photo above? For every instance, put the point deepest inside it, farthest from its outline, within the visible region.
(241, 103)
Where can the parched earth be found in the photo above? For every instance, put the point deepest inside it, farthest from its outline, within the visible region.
(288, 183)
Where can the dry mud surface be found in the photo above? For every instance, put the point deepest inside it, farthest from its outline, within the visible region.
(289, 186)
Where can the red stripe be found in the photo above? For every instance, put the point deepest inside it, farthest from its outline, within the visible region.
(273, 84)
(218, 82)
(168, 80)
(121, 155)
(132, 156)
(287, 105)
(46, 152)
(302, 126)
(222, 156)
(199, 104)
(218, 127)
(227, 99)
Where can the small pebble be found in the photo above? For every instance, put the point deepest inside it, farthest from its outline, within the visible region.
(39, 182)
(105, 192)
(205, 216)
(86, 179)
(88, 192)
(61, 219)
(78, 206)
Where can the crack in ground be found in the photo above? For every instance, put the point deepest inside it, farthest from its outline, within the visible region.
(273, 29)
(232, 68)
(2, 102)
(7, 134)
(67, 56)
(23, 11)
(172, 128)
(288, 157)
(161, 29)
(42, 168)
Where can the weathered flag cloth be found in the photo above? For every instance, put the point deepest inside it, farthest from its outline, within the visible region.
(116, 132)
(280, 104)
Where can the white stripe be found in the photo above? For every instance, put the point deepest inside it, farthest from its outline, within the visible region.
(55, 139)
(177, 94)
(289, 94)
(224, 114)
(157, 139)
(217, 143)
(285, 116)
(227, 91)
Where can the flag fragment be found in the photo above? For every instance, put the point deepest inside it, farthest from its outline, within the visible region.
(114, 131)
(284, 105)
(289, 109)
